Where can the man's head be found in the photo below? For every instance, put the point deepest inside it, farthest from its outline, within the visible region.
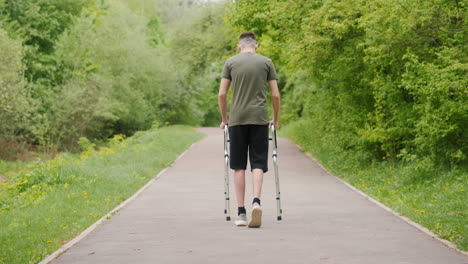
(247, 41)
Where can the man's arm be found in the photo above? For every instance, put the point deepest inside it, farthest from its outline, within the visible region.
(275, 97)
(223, 90)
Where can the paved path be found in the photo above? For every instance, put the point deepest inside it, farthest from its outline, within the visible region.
(179, 219)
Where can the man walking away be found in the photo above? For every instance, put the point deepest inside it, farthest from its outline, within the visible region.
(248, 119)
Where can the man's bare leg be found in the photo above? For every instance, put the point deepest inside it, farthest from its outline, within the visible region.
(256, 216)
(239, 182)
(257, 180)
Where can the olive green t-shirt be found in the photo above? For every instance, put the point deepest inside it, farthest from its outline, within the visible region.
(249, 73)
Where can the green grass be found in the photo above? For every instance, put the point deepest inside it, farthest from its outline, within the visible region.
(436, 198)
(9, 166)
(49, 203)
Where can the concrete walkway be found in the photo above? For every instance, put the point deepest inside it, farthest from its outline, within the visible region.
(179, 219)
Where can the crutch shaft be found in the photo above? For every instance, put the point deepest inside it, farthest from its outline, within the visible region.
(226, 175)
(275, 165)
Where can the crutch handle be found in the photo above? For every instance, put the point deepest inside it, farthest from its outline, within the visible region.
(226, 133)
(273, 138)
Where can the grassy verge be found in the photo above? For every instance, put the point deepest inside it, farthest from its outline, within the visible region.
(7, 167)
(51, 202)
(436, 198)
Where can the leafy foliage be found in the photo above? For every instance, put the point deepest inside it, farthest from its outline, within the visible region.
(199, 55)
(96, 68)
(385, 77)
(14, 103)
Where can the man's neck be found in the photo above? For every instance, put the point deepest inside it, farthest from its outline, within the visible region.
(247, 50)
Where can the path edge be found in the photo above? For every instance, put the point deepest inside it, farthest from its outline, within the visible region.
(109, 215)
(386, 208)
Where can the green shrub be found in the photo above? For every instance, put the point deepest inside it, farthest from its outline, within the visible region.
(382, 76)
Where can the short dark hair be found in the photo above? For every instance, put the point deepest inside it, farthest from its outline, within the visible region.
(247, 35)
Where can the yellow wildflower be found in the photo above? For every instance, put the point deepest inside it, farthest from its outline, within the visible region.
(66, 185)
(389, 182)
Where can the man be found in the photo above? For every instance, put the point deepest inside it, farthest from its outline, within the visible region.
(248, 119)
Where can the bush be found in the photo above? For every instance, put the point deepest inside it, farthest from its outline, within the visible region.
(381, 77)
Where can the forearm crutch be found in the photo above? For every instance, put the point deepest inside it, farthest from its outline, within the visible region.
(226, 174)
(275, 165)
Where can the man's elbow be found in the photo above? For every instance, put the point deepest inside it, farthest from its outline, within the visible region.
(275, 96)
(222, 95)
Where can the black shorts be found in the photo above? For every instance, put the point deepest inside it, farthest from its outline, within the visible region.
(251, 139)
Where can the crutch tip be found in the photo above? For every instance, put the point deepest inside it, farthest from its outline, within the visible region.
(279, 218)
(228, 218)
